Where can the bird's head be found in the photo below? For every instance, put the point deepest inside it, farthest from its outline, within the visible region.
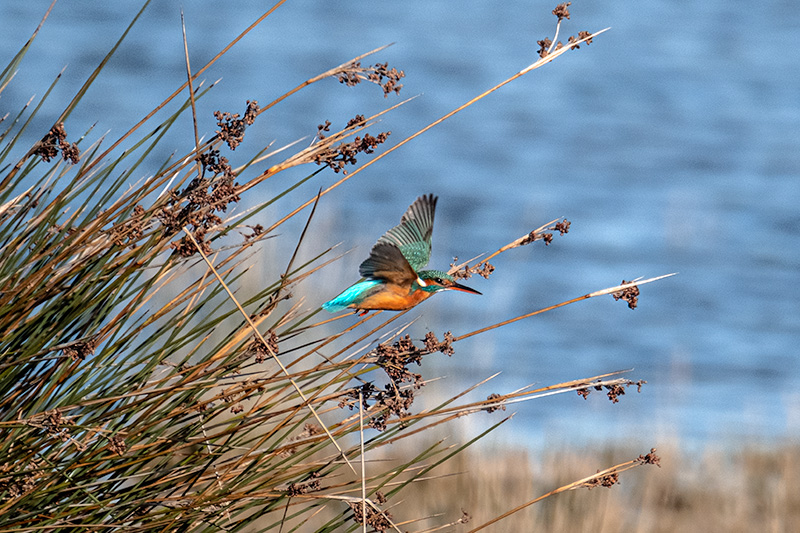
(436, 280)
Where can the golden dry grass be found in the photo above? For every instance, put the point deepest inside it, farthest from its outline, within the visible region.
(752, 489)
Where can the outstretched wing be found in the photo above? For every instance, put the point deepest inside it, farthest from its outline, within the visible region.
(413, 235)
(387, 262)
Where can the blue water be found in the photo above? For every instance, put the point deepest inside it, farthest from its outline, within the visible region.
(671, 143)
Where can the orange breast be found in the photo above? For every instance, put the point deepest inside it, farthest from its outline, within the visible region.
(391, 298)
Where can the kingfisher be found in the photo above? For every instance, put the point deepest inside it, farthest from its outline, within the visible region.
(394, 279)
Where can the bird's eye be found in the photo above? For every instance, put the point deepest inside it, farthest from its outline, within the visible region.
(440, 281)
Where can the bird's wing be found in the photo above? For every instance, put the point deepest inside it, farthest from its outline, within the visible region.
(387, 262)
(413, 235)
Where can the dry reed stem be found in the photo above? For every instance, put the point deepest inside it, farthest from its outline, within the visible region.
(190, 86)
(497, 402)
(522, 241)
(344, 67)
(606, 478)
(602, 292)
(307, 156)
(363, 459)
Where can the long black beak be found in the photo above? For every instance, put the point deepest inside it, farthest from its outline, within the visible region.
(464, 288)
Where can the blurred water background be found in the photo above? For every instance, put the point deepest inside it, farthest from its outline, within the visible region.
(671, 144)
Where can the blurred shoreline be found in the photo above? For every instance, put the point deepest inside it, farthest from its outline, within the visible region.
(753, 488)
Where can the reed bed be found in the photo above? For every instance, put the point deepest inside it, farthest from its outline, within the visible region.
(749, 487)
(145, 387)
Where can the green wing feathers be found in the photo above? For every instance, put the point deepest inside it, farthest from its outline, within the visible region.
(413, 235)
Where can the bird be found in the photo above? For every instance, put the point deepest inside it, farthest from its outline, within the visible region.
(394, 280)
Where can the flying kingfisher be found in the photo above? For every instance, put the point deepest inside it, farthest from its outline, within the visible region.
(394, 280)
